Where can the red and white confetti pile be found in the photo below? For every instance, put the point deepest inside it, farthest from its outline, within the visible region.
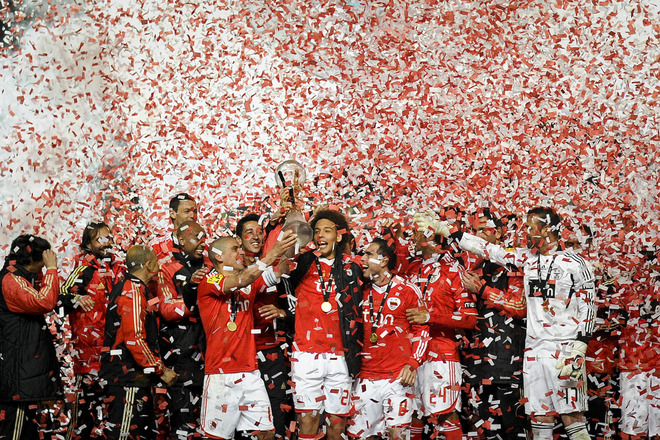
(108, 108)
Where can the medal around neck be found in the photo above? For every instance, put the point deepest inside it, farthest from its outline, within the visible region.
(326, 306)
(373, 338)
(231, 326)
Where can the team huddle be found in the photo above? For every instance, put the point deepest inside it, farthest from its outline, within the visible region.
(435, 330)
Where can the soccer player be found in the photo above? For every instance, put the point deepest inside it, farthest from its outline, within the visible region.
(559, 290)
(447, 307)
(603, 348)
(268, 329)
(131, 365)
(638, 356)
(29, 371)
(234, 396)
(494, 352)
(328, 328)
(182, 341)
(182, 208)
(84, 297)
(393, 349)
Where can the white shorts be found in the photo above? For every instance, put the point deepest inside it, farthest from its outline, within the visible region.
(380, 405)
(321, 383)
(439, 387)
(234, 401)
(640, 400)
(547, 394)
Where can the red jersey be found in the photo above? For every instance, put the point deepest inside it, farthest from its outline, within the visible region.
(317, 331)
(450, 306)
(95, 279)
(603, 347)
(132, 325)
(639, 335)
(399, 343)
(163, 246)
(228, 351)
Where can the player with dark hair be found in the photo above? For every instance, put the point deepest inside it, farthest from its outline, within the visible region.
(182, 208)
(29, 371)
(268, 328)
(328, 328)
(494, 351)
(181, 342)
(392, 351)
(84, 297)
(559, 290)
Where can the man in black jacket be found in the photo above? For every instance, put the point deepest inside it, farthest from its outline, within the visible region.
(268, 334)
(493, 357)
(328, 338)
(29, 371)
(182, 341)
(131, 365)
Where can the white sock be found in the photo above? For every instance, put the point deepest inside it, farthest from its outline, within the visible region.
(578, 431)
(542, 430)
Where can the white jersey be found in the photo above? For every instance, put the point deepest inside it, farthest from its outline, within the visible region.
(560, 294)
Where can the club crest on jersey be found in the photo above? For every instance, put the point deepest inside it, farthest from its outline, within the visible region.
(214, 279)
(393, 303)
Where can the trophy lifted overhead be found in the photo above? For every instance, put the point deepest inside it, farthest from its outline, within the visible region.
(290, 177)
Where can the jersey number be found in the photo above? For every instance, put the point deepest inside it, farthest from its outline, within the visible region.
(344, 398)
(442, 393)
(403, 408)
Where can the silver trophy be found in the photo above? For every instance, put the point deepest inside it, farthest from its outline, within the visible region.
(289, 174)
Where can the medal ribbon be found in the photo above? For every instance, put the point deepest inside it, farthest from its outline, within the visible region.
(374, 322)
(326, 292)
(233, 306)
(428, 281)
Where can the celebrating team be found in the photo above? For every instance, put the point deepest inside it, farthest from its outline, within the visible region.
(464, 336)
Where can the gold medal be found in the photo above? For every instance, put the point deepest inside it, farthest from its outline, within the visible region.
(326, 306)
(373, 338)
(231, 326)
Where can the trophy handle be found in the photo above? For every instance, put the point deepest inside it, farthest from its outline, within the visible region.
(292, 194)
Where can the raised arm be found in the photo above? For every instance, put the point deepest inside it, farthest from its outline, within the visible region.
(248, 275)
(493, 252)
(22, 297)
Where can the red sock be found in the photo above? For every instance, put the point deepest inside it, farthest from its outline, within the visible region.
(453, 430)
(416, 429)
